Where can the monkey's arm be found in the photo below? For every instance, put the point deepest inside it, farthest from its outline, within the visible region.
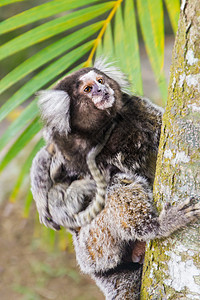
(137, 217)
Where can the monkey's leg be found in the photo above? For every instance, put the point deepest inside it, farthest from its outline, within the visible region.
(40, 185)
(124, 282)
(138, 252)
(104, 259)
(96, 248)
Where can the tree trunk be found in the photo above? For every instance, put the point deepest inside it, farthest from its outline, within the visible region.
(172, 266)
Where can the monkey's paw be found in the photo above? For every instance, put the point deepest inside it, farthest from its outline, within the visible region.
(46, 218)
(173, 218)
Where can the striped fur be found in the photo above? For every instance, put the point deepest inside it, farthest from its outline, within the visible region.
(98, 203)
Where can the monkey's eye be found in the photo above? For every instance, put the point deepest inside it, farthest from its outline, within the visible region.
(100, 80)
(87, 89)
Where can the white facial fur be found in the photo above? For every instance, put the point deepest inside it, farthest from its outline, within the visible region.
(100, 100)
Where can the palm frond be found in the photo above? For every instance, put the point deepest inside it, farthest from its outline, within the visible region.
(6, 2)
(173, 8)
(21, 142)
(28, 114)
(41, 12)
(152, 25)
(25, 171)
(48, 54)
(52, 28)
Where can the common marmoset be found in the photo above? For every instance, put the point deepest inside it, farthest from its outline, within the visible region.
(77, 114)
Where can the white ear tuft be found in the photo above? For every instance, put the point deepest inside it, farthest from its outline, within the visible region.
(54, 106)
(102, 64)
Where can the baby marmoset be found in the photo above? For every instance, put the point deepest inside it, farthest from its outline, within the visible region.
(77, 114)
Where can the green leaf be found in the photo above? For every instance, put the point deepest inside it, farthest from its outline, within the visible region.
(43, 78)
(151, 19)
(132, 54)
(108, 46)
(47, 54)
(27, 205)
(53, 28)
(126, 46)
(99, 50)
(119, 40)
(173, 8)
(65, 240)
(41, 12)
(52, 238)
(28, 114)
(48, 237)
(21, 142)
(25, 169)
(6, 2)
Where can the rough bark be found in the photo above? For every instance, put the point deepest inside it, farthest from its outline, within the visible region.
(172, 266)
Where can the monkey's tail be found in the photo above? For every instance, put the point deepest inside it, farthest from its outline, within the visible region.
(98, 203)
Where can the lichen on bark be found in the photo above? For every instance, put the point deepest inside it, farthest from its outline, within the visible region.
(172, 266)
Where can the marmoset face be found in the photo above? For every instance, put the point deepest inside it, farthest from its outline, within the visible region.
(81, 102)
(96, 88)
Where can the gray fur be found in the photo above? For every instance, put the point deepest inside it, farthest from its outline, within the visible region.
(54, 106)
(120, 284)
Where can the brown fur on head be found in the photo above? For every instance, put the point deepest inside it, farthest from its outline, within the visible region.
(94, 99)
(84, 101)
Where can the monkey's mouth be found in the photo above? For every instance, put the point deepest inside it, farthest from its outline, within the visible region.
(101, 104)
(105, 102)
